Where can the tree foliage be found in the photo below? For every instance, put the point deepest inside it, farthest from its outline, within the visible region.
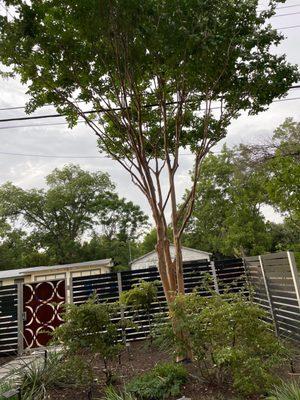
(227, 217)
(89, 327)
(232, 345)
(279, 159)
(76, 203)
(234, 186)
(151, 71)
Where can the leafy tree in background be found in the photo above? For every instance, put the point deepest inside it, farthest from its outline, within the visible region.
(279, 159)
(75, 203)
(121, 58)
(235, 184)
(18, 250)
(227, 218)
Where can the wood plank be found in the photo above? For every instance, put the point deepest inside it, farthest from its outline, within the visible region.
(273, 256)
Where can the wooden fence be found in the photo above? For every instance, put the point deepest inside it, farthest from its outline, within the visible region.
(8, 319)
(276, 287)
(274, 279)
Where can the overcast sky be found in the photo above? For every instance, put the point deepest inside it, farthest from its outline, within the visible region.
(58, 140)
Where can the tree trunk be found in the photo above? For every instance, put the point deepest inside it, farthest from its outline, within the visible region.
(171, 273)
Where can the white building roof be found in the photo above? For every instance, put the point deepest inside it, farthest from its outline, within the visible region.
(171, 245)
(19, 273)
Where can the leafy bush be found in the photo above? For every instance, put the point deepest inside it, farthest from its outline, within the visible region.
(230, 342)
(39, 376)
(90, 327)
(112, 394)
(140, 298)
(286, 391)
(162, 381)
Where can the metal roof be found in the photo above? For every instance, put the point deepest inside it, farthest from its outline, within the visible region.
(19, 273)
(171, 245)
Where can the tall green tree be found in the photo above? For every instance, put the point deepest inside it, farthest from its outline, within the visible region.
(152, 72)
(75, 204)
(227, 218)
(279, 161)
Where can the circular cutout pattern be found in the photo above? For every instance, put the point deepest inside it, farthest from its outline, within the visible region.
(45, 313)
(44, 291)
(27, 293)
(61, 290)
(43, 335)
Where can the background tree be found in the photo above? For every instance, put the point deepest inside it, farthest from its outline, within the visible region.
(75, 205)
(227, 217)
(280, 161)
(152, 71)
(234, 186)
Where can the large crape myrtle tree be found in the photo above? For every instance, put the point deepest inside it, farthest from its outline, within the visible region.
(156, 76)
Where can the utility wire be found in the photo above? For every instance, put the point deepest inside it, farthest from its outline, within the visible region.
(47, 155)
(285, 15)
(288, 27)
(80, 122)
(72, 156)
(35, 117)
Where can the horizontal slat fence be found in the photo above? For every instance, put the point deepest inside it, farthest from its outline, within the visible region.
(274, 279)
(8, 320)
(109, 287)
(276, 286)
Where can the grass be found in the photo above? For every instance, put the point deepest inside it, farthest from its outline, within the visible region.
(286, 391)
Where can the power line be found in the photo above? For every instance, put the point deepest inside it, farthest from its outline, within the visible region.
(286, 15)
(292, 6)
(288, 27)
(48, 155)
(92, 111)
(80, 122)
(72, 156)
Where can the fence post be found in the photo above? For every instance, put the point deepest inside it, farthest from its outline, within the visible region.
(20, 318)
(122, 314)
(295, 275)
(69, 288)
(215, 278)
(272, 311)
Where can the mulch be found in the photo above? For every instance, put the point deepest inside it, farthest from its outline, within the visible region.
(139, 358)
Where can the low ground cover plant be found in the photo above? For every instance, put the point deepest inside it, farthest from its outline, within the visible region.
(230, 342)
(163, 381)
(286, 391)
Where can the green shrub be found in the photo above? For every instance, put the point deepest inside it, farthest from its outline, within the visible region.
(90, 327)
(286, 391)
(230, 342)
(140, 296)
(162, 381)
(39, 376)
(112, 394)
(139, 299)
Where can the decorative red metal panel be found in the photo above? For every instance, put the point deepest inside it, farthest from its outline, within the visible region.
(43, 306)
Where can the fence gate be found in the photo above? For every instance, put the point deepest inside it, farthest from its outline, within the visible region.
(276, 285)
(42, 306)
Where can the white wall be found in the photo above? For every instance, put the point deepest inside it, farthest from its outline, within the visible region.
(151, 259)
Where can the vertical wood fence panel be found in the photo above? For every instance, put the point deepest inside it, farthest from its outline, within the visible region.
(275, 281)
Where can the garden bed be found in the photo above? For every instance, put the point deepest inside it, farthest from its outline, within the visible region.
(139, 358)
